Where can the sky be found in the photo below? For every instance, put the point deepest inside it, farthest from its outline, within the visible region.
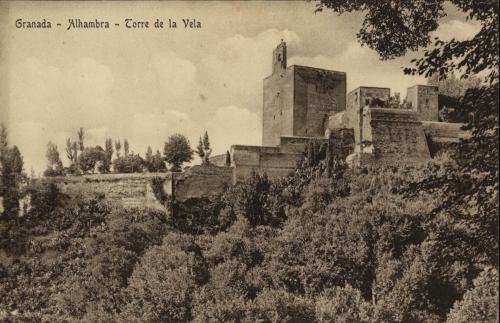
(145, 85)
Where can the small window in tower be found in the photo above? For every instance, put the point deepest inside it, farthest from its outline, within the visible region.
(274, 117)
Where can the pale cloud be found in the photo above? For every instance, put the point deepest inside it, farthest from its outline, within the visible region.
(234, 72)
(232, 125)
(32, 137)
(171, 77)
(460, 30)
(61, 98)
(363, 68)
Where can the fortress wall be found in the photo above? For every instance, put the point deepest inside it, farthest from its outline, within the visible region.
(318, 94)
(277, 118)
(129, 190)
(279, 160)
(202, 181)
(296, 145)
(396, 135)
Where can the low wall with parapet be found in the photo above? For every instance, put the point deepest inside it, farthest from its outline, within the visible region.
(445, 131)
(278, 161)
(443, 136)
(128, 190)
(202, 181)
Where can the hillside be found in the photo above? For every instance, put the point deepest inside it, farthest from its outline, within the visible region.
(357, 246)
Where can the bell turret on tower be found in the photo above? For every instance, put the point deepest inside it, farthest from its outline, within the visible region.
(279, 57)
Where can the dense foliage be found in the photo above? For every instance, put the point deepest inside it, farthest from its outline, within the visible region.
(352, 247)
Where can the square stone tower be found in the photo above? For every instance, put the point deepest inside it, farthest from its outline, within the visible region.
(298, 100)
(424, 100)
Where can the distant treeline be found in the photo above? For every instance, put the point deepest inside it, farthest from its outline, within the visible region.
(116, 156)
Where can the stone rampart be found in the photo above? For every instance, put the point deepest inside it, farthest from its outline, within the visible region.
(128, 190)
(394, 135)
(202, 181)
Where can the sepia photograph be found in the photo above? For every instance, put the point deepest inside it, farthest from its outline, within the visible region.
(249, 161)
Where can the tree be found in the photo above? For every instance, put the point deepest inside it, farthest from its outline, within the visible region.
(118, 147)
(92, 158)
(200, 151)
(206, 148)
(108, 151)
(70, 154)
(3, 138)
(451, 91)
(158, 162)
(128, 164)
(11, 175)
(452, 86)
(177, 151)
(54, 163)
(206, 141)
(203, 149)
(81, 137)
(228, 158)
(154, 163)
(75, 153)
(125, 147)
(148, 157)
